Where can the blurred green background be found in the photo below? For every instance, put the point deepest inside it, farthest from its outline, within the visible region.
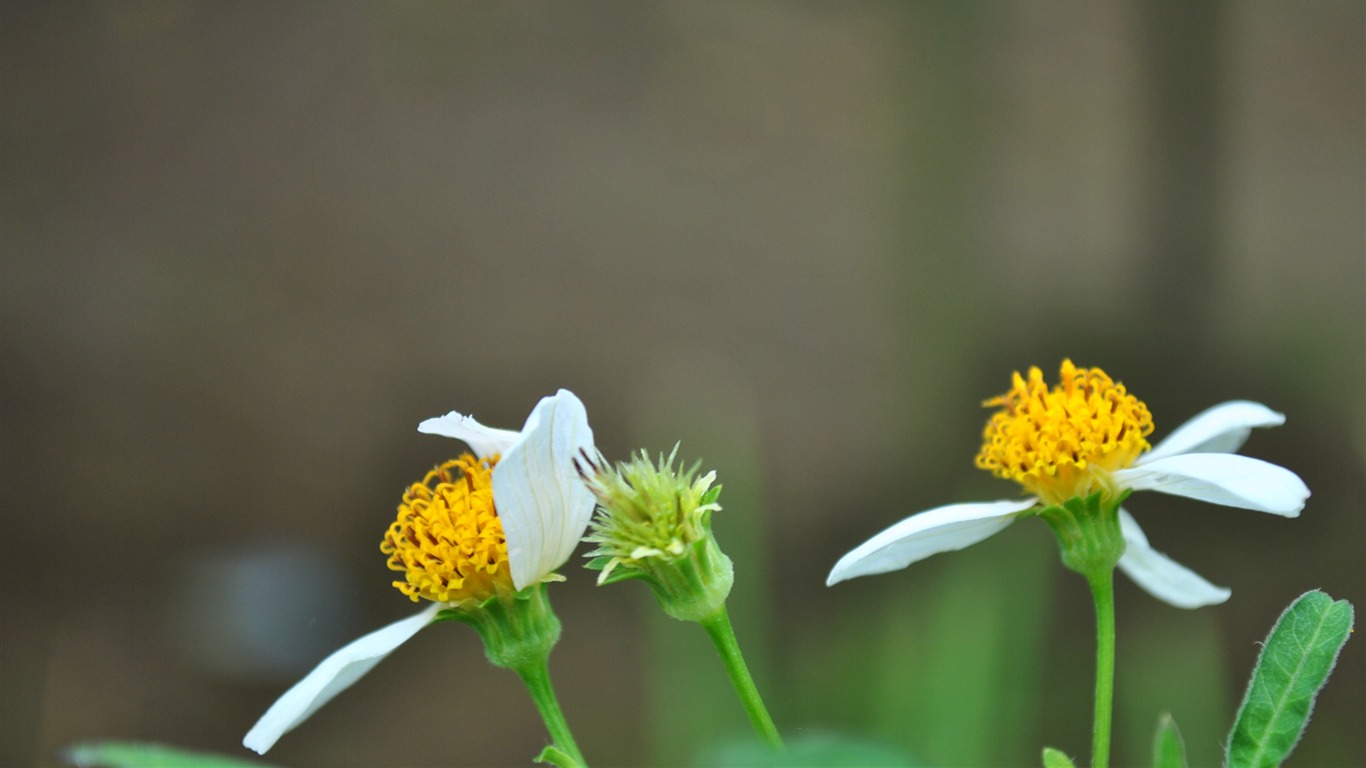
(248, 246)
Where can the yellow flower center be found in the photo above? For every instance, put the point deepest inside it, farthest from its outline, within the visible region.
(448, 538)
(1062, 443)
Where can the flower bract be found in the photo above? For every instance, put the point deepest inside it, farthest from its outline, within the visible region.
(484, 526)
(1088, 435)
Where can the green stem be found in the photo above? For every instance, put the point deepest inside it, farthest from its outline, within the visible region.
(536, 675)
(1103, 590)
(723, 636)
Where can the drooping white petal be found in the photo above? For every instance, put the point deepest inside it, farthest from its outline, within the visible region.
(942, 529)
(543, 504)
(1221, 429)
(484, 441)
(335, 674)
(1159, 575)
(1221, 478)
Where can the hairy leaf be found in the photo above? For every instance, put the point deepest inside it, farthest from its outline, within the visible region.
(1295, 662)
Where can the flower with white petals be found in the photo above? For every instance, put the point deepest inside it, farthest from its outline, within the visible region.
(1084, 436)
(483, 526)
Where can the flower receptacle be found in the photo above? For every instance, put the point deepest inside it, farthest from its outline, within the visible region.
(519, 629)
(1088, 532)
(695, 585)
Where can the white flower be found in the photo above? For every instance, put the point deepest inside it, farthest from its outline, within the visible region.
(544, 508)
(540, 498)
(1195, 461)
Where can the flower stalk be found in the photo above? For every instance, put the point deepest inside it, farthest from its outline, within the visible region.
(1103, 591)
(536, 676)
(723, 636)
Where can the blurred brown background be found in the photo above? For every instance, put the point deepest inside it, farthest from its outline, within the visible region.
(248, 246)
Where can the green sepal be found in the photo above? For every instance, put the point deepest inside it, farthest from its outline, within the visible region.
(711, 495)
(617, 573)
(1056, 758)
(1294, 665)
(446, 614)
(517, 629)
(1088, 531)
(622, 574)
(1169, 750)
(136, 754)
(694, 585)
(557, 757)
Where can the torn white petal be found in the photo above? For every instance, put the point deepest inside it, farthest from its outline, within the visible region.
(1159, 575)
(1221, 429)
(542, 503)
(335, 674)
(1221, 478)
(941, 529)
(484, 441)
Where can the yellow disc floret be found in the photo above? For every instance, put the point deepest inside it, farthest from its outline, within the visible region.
(1063, 442)
(448, 538)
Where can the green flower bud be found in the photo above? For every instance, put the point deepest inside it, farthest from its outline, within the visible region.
(654, 523)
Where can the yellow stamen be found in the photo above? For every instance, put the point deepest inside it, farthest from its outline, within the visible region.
(448, 538)
(1062, 443)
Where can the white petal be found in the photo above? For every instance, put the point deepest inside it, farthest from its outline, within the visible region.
(484, 441)
(942, 529)
(1221, 478)
(543, 504)
(1159, 575)
(1221, 429)
(335, 674)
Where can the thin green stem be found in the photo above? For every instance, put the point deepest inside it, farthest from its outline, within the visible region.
(1103, 590)
(723, 636)
(536, 675)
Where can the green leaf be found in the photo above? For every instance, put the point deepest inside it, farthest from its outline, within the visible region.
(598, 563)
(557, 757)
(133, 754)
(1169, 751)
(1295, 662)
(1053, 758)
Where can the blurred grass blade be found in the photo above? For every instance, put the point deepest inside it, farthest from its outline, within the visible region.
(806, 751)
(1055, 758)
(1296, 661)
(1169, 751)
(134, 754)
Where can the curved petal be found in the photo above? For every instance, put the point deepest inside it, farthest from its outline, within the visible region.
(1159, 575)
(484, 441)
(335, 674)
(942, 529)
(1221, 429)
(542, 502)
(1221, 478)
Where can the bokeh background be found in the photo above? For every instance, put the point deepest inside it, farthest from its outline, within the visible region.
(248, 246)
